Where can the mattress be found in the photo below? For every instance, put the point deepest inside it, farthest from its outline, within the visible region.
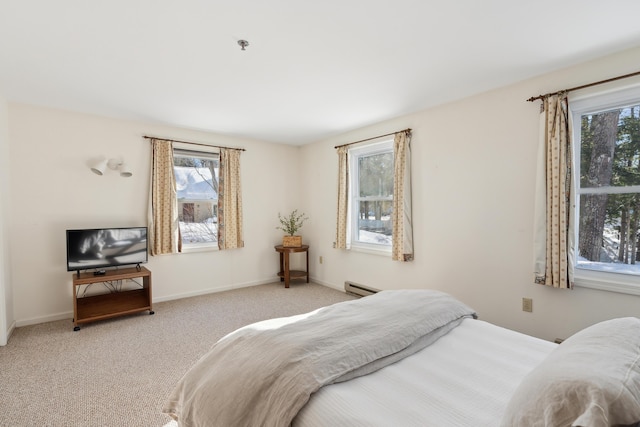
(466, 378)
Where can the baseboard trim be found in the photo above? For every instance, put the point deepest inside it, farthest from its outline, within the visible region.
(327, 284)
(69, 314)
(10, 330)
(44, 319)
(212, 290)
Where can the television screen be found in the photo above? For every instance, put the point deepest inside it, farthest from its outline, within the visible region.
(106, 247)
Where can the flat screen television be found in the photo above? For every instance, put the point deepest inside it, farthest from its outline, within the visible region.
(99, 248)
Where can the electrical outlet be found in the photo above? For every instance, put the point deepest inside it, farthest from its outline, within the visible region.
(320, 259)
(527, 305)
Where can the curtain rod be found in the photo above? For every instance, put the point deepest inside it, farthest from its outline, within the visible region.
(194, 143)
(533, 98)
(374, 137)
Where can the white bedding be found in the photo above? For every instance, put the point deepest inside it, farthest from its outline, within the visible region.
(262, 374)
(466, 378)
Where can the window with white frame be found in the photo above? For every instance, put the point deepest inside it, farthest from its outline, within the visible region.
(606, 131)
(371, 196)
(196, 174)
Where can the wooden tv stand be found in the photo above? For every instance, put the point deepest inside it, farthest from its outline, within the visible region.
(115, 303)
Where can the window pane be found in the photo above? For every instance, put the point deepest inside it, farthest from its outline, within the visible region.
(609, 163)
(194, 178)
(371, 200)
(610, 148)
(197, 191)
(608, 238)
(374, 222)
(198, 222)
(376, 175)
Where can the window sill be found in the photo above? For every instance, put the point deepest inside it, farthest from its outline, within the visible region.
(611, 282)
(199, 248)
(384, 251)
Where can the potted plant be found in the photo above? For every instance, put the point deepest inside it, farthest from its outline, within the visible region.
(290, 224)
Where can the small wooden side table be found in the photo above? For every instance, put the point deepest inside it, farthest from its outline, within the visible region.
(285, 274)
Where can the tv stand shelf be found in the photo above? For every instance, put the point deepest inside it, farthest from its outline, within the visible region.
(116, 303)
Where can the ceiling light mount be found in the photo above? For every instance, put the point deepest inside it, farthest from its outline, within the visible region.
(243, 44)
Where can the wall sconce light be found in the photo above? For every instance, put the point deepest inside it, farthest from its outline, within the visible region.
(101, 166)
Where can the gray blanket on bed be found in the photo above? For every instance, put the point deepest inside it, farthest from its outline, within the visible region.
(263, 374)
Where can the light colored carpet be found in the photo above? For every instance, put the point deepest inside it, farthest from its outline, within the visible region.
(119, 372)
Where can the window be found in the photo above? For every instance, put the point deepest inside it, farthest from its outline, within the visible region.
(371, 202)
(607, 160)
(196, 175)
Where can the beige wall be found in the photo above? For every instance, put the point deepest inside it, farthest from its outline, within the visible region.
(473, 181)
(6, 294)
(53, 190)
(473, 188)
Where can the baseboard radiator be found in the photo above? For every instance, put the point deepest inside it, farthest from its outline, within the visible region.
(359, 290)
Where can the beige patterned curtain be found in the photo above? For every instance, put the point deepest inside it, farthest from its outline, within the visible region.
(164, 227)
(343, 197)
(553, 223)
(229, 200)
(402, 244)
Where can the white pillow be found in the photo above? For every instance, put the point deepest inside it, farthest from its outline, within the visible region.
(592, 379)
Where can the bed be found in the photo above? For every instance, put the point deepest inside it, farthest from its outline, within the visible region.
(411, 358)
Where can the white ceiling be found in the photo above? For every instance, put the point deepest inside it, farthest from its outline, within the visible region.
(313, 69)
